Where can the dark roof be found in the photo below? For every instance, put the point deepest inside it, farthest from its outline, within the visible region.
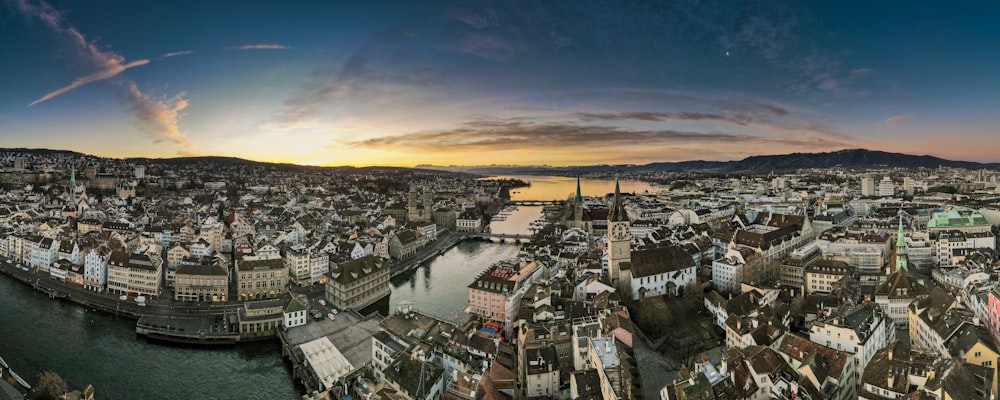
(353, 270)
(200, 269)
(660, 260)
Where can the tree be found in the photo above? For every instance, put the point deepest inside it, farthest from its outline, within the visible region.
(50, 386)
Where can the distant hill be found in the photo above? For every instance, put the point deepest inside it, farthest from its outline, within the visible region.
(854, 158)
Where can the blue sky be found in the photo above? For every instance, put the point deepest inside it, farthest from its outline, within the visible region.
(554, 82)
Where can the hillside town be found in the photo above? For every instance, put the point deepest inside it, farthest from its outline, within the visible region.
(810, 284)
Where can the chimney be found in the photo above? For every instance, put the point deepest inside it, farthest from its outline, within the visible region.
(890, 380)
(890, 354)
(739, 325)
(930, 373)
(753, 322)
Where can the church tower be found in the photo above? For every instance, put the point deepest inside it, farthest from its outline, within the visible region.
(578, 206)
(72, 186)
(901, 258)
(619, 239)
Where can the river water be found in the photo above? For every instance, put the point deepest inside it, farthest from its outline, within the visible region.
(38, 333)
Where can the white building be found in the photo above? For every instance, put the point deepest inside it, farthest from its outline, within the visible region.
(886, 188)
(659, 271)
(867, 186)
(861, 331)
(294, 313)
(727, 272)
(95, 268)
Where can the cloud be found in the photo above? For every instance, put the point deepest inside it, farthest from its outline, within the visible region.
(159, 118)
(506, 135)
(108, 64)
(177, 53)
(896, 120)
(113, 69)
(490, 46)
(261, 46)
(663, 116)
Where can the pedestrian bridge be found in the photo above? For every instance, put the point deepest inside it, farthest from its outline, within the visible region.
(535, 202)
(497, 237)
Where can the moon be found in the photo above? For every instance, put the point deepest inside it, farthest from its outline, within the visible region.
(727, 54)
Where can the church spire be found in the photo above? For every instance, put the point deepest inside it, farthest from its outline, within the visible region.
(901, 259)
(579, 195)
(617, 211)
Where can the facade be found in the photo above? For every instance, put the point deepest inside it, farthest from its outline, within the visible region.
(821, 276)
(867, 186)
(95, 268)
(201, 283)
(403, 244)
(491, 293)
(260, 278)
(297, 260)
(861, 331)
(260, 319)
(294, 313)
(319, 265)
(727, 272)
(137, 274)
(356, 284)
(667, 270)
(885, 187)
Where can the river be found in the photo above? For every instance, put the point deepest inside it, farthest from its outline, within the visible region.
(563, 187)
(38, 333)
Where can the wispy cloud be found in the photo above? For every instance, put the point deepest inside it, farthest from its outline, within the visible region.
(261, 46)
(177, 53)
(112, 69)
(653, 116)
(160, 118)
(108, 64)
(896, 120)
(157, 117)
(506, 135)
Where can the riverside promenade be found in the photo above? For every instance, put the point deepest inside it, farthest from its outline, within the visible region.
(159, 319)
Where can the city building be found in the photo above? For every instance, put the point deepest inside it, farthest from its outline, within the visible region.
(201, 282)
(356, 284)
(260, 278)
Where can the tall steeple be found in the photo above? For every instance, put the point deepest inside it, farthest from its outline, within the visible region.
(617, 211)
(901, 258)
(579, 195)
(72, 186)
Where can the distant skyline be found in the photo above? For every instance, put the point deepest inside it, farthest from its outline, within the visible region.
(499, 82)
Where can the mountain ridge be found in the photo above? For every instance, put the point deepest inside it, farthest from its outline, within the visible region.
(850, 158)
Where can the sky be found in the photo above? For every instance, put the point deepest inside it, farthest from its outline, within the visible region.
(574, 82)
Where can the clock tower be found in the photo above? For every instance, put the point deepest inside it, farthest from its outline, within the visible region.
(619, 239)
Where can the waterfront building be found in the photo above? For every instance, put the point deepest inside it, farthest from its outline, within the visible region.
(137, 274)
(356, 284)
(492, 294)
(469, 221)
(95, 268)
(294, 313)
(403, 243)
(260, 278)
(261, 318)
(201, 282)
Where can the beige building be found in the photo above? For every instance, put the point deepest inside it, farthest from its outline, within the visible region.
(201, 283)
(357, 284)
(260, 279)
(137, 274)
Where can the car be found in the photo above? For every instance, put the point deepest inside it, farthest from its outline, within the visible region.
(331, 316)
(123, 297)
(334, 311)
(322, 302)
